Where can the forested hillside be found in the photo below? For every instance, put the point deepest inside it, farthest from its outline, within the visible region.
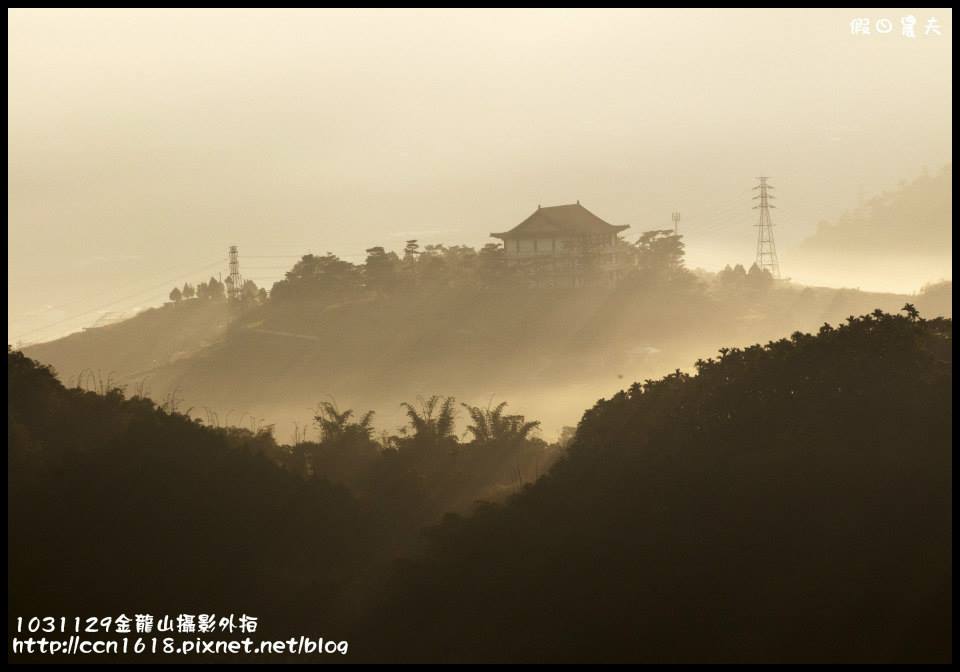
(117, 503)
(453, 321)
(127, 351)
(789, 502)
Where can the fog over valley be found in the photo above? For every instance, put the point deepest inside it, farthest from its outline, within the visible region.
(480, 335)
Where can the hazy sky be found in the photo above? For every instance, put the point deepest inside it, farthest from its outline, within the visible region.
(143, 142)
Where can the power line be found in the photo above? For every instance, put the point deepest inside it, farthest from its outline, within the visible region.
(79, 300)
(165, 283)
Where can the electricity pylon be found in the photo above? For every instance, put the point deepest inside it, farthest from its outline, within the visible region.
(766, 248)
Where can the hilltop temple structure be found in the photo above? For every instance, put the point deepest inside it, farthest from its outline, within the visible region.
(566, 246)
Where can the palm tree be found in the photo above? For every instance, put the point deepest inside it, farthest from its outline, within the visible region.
(431, 424)
(346, 447)
(911, 310)
(492, 426)
(335, 425)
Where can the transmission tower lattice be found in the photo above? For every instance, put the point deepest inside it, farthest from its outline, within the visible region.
(766, 248)
(676, 222)
(235, 282)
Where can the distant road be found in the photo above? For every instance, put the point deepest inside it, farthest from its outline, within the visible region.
(285, 333)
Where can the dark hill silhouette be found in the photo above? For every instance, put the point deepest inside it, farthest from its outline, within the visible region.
(789, 502)
(116, 505)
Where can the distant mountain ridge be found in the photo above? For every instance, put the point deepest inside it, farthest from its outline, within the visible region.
(548, 351)
(914, 219)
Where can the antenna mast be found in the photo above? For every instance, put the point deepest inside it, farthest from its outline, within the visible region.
(235, 288)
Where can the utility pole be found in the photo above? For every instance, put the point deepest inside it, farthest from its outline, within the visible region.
(236, 282)
(676, 222)
(766, 249)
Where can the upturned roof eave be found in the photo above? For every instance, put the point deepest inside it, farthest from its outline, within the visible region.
(520, 234)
